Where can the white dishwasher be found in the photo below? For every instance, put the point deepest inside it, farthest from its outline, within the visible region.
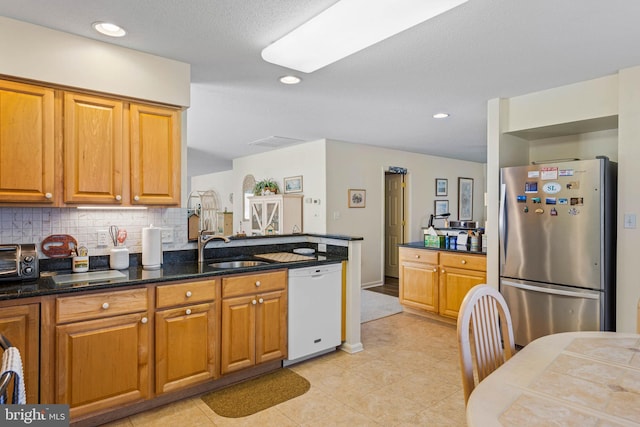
(315, 311)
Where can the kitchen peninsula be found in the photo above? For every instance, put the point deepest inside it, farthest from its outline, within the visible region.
(434, 281)
(156, 336)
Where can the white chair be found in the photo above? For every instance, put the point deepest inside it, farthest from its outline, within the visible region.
(484, 311)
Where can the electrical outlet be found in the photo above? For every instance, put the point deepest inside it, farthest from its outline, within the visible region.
(322, 247)
(629, 220)
(103, 238)
(167, 235)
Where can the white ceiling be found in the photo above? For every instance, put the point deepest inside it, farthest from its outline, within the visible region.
(384, 95)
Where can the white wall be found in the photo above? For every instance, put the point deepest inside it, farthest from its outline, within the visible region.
(38, 53)
(223, 183)
(582, 102)
(581, 146)
(362, 167)
(308, 160)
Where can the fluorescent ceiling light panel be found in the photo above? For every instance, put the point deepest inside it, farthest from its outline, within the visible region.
(348, 27)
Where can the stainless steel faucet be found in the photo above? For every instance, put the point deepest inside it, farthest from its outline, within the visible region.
(205, 237)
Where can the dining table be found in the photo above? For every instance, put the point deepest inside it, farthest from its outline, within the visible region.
(566, 379)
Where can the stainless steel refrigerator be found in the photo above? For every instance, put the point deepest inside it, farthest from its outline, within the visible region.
(558, 246)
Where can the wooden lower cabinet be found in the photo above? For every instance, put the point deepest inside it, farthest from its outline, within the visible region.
(437, 281)
(254, 324)
(105, 352)
(102, 363)
(21, 325)
(418, 279)
(186, 335)
(185, 351)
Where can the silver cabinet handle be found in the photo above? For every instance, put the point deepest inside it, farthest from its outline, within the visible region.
(258, 283)
(188, 294)
(144, 320)
(442, 271)
(188, 311)
(48, 195)
(260, 300)
(105, 306)
(464, 261)
(136, 198)
(435, 270)
(254, 302)
(118, 197)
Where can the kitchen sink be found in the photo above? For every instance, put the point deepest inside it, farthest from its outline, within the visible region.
(238, 264)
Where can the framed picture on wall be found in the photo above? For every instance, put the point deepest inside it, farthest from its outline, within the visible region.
(357, 198)
(442, 186)
(293, 184)
(440, 207)
(465, 199)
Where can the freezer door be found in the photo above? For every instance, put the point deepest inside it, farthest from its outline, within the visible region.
(539, 310)
(551, 223)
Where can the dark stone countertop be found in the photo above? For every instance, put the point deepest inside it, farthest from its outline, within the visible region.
(177, 265)
(420, 245)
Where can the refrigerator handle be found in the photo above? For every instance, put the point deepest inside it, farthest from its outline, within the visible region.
(544, 290)
(502, 225)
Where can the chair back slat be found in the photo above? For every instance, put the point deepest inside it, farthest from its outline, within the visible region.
(485, 313)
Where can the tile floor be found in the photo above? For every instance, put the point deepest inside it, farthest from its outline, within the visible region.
(408, 375)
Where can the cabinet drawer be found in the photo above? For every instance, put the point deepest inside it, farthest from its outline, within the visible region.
(419, 255)
(105, 304)
(471, 262)
(185, 293)
(262, 282)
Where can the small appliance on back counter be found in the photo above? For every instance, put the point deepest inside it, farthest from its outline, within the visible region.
(18, 262)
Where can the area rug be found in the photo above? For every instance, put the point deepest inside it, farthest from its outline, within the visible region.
(374, 305)
(257, 394)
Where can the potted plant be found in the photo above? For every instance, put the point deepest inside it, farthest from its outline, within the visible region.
(266, 186)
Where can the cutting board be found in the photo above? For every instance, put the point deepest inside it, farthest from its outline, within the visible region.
(59, 246)
(285, 257)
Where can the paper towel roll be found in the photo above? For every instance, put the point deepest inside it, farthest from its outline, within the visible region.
(151, 247)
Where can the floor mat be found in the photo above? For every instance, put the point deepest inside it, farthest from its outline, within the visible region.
(257, 394)
(375, 305)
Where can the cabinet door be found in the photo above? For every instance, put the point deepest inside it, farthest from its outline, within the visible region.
(93, 149)
(271, 326)
(238, 333)
(419, 285)
(272, 215)
(21, 325)
(257, 225)
(102, 363)
(155, 155)
(454, 285)
(26, 143)
(185, 346)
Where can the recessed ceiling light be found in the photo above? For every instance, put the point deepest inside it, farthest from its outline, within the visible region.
(109, 29)
(290, 80)
(441, 115)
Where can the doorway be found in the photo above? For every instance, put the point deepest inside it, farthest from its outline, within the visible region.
(394, 222)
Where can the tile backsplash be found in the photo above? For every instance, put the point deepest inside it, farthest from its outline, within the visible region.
(32, 225)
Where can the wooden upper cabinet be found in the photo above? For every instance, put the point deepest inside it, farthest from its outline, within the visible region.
(155, 155)
(26, 143)
(93, 149)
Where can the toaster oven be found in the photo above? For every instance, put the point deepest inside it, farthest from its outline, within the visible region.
(18, 262)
